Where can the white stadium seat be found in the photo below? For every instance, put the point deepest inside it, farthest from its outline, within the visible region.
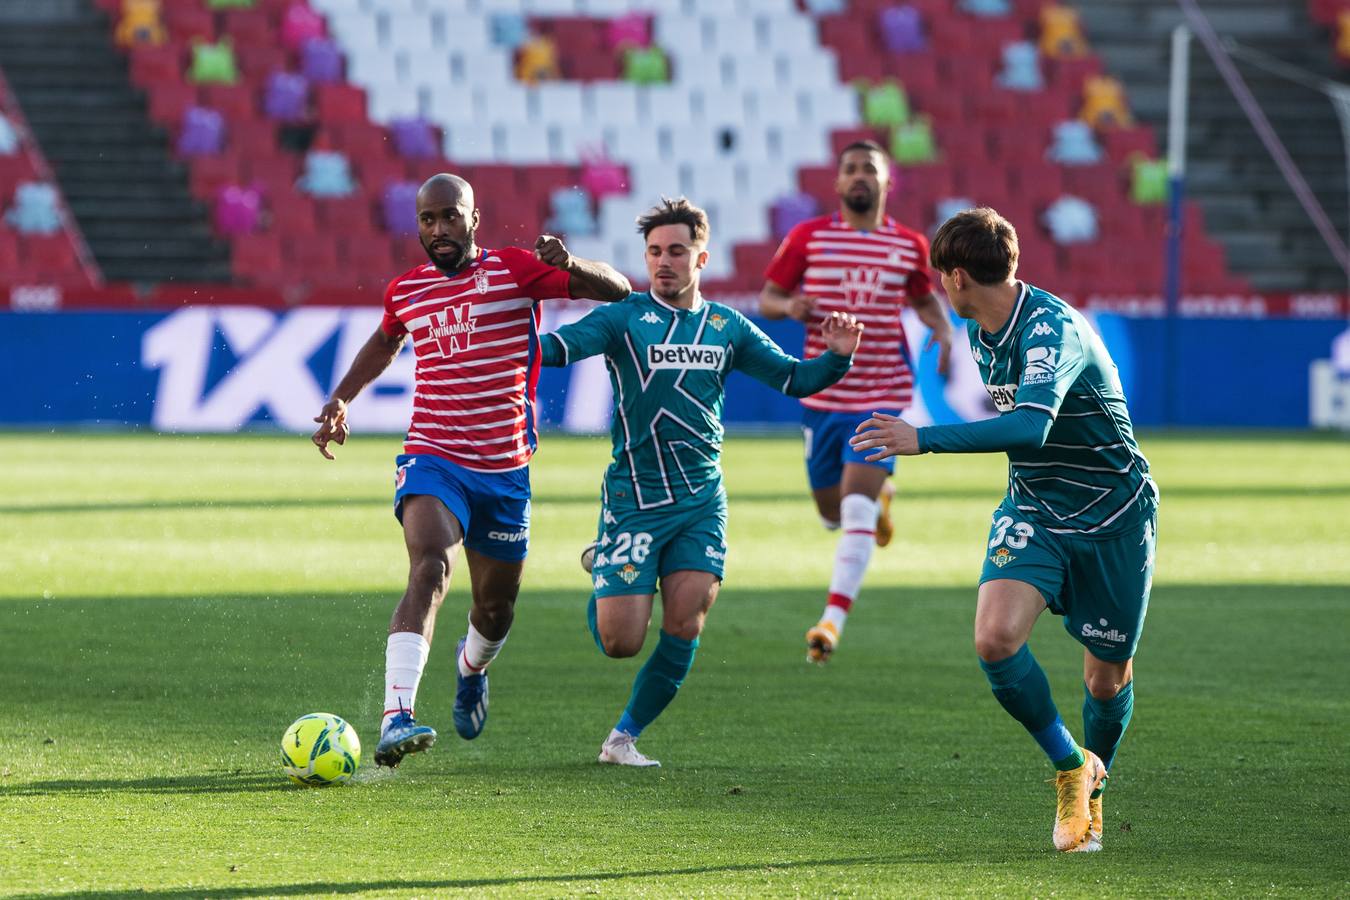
(559, 102)
(525, 143)
(611, 103)
(667, 104)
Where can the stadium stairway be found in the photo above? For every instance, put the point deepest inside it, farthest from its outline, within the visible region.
(1247, 204)
(130, 198)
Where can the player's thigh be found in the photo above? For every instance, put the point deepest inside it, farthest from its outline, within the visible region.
(1023, 574)
(1109, 583)
(431, 532)
(1005, 613)
(493, 581)
(621, 621)
(686, 597)
(865, 478)
(432, 504)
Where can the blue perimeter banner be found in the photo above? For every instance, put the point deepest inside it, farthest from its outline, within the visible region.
(221, 369)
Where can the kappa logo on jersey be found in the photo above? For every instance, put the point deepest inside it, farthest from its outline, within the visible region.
(609, 520)
(401, 474)
(1042, 328)
(1003, 395)
(480, 281)
(453, 334)
(1039, 311)
(650, 318)
(861, 286)
(1041, 363)
(979, 357)
(685, 356)
(600, 582)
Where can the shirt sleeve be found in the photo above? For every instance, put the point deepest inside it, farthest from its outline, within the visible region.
(920, 281)
(1050, 356)
(391, 324)
(789, 263)
(1020, 429)
(599, 331)
(536, 280)
(759, 357)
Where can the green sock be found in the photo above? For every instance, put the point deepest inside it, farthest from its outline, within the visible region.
(1105, 721)
(657, 682)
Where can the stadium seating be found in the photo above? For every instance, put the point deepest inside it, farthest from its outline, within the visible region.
(741, 104)
(37, 243)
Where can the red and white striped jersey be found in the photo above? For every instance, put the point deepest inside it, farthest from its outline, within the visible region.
(475, 335)
(870, 274)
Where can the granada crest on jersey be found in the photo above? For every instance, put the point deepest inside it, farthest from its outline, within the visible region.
(480, 281)
(718, 321)
(629, 573)
(401, 474)
(1001, 557)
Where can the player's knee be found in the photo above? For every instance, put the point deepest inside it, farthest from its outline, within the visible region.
(430, 575)
(994, 642)
(621, 646)
(685, 629)
(1104, 685)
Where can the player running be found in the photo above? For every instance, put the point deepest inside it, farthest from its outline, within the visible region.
(473, 318)
(663, 513)
(860, 261)
(1076, 532)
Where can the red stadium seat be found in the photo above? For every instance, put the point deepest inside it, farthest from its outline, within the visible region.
(187, 21)
(236, 102)
(340, 103)
(169, 100)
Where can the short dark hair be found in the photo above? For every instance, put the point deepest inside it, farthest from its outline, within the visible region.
(978, 240)
(675, 212)
(869, 145)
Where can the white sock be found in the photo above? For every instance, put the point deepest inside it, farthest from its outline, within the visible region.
(478, 652)
(829, 524)
(858, 515)
(405, 656)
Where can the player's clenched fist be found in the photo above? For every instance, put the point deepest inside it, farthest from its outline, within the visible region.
(550, 250)
(841, 332)
(332, 421)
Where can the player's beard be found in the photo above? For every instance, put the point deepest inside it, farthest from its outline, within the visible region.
(457, 259)
(860, 203)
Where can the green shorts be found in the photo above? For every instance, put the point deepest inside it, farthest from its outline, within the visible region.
(1100, 586)
(635, 547)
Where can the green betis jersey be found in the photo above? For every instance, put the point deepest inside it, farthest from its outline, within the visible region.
(668, 367)
(1090, 477)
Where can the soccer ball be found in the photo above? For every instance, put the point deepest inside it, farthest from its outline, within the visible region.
(320, 748)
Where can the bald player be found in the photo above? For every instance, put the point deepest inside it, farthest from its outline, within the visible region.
(472, 315)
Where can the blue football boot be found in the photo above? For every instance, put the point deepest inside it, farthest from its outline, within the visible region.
(403, 736)
(471, 700)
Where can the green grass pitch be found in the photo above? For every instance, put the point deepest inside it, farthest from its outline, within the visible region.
(169, 604)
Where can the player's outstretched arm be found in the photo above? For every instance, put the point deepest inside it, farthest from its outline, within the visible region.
(588, 279)
(372, 359)
(763, 360)
(885, 435)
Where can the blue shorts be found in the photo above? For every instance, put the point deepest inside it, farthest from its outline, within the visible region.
(827, 448)
(493, 508)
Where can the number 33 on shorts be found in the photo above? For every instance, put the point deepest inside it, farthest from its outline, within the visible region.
(1006, 536)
